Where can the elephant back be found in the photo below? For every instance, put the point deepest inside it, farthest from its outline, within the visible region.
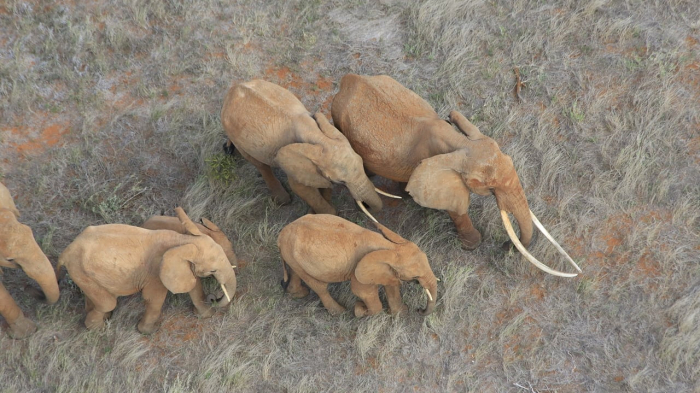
(258, 116)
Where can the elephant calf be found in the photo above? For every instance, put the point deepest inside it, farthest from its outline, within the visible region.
(206, 227)
(18, 249)
(321, 249)
(108, 261)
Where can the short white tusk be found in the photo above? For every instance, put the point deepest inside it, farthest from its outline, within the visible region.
(527, 255)
(228, 298)
(233, 266)
(366, 212)
(428, 293)
(386, 193)
(542, 229)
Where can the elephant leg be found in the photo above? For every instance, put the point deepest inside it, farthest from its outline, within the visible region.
(468, 235)
(197, 295)
(370, 303)
(327, 194)
(20, 326)
(279, 194)
(154, 296)
(321, 289)
(313, 197)
(393, 296)
(295, 288)
(99, 307)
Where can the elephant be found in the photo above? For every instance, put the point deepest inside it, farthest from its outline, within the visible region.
(205, 226)
(112, 260)
(321, 249)
(400, 137)
(270, 127)
(18, 249)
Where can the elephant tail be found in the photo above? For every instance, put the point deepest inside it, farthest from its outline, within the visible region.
(285, 279)
(60, 273)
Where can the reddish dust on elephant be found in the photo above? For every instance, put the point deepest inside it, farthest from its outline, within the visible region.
(113, 260)
(400, 137)
(19, 250)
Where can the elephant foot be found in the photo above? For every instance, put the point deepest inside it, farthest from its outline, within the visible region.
(205, 313)
(470, 240)
(402, 310)
(299, 293)
(281, 198)
(95, 320)
(146, 328)
(360, 309)
(336, 310)
(324, 210)
(22, 328)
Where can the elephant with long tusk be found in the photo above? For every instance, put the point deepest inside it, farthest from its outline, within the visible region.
(270, 127)
(321, 249)
(108, 261)
(19, 250)
(401, 137)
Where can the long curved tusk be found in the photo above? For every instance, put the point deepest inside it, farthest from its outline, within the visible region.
(521, 248)
(428, 293)
(386, 193)
(228, 298)
(366, 212)
(542, 229)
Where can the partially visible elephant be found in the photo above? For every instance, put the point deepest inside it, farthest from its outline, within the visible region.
(18, 249)
(400, 137)
(205, 226)
(108, 261)
(322, 249)
(272, 128)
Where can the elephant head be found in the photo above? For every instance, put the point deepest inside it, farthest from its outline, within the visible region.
(328, 160)
(404, 262)
(182, 265)
(444, 182)
(18, 249)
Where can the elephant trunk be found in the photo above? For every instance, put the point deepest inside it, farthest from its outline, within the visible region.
(227, 279)
(363, 191)
(513, 201)
(430, 285)
(40, 270)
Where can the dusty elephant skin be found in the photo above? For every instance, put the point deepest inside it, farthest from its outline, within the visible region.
(114, 260)
(272, 128)
(401, 137)
(18, 249)
(206, 227)
(322, 249)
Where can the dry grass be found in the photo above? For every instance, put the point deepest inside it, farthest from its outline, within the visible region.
(110, 114)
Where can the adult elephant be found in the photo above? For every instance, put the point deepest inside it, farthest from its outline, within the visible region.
(272, 128)
(401, 137)
(108, 261)
(18, 249)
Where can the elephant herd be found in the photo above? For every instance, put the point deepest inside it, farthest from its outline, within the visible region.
(379, 128)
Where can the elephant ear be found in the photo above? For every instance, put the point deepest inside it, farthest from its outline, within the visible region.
(298, 161)
(375, 268)
(176, 270)
(464, 125)
(437, 183)
(209, 225)
(326, 127)
(389, 234)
